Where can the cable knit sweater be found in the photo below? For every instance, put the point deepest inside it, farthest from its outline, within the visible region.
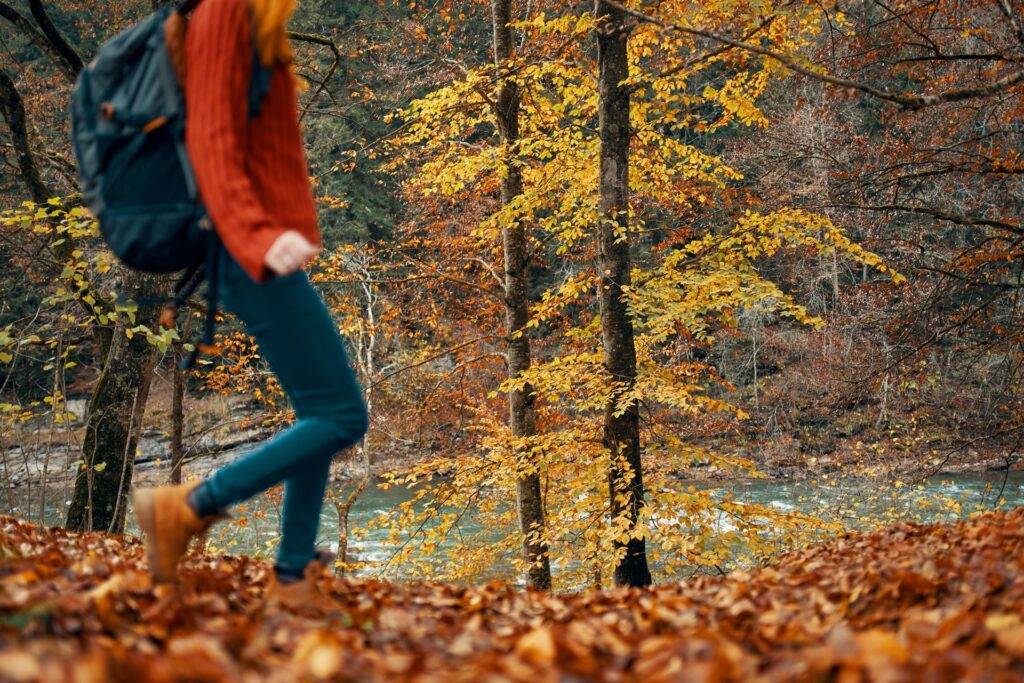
(252, 175)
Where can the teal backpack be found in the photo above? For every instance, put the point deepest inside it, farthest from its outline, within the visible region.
(128, 133)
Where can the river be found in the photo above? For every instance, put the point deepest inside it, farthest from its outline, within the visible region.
(854, 500)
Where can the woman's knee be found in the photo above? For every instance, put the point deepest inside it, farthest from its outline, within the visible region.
(350, 423)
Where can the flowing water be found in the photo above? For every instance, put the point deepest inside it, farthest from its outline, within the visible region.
(937, 498)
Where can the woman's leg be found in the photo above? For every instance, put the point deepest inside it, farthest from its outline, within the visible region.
(299, 340)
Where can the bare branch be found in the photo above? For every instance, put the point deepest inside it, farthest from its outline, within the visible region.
(326, 42)
(960, 219)
(29, 30)
(59, 44)
(906, 100)
(440, 354)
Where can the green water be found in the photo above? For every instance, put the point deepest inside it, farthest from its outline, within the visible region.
(939, 498)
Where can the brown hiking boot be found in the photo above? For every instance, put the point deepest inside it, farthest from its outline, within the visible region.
(168, 524)
(302, 595)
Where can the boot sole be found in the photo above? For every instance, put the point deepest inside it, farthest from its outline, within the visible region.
(142, 500)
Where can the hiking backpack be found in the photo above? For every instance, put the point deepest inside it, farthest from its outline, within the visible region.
(128, 133)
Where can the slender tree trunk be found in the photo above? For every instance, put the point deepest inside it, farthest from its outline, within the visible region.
(177, 414)
(119, 396)
(72, 62)
(344, 509)
(13, 109)
(621, 424)
(517, 309)
(178, 405)
(55, 51)
(112, 430)
(366, 354)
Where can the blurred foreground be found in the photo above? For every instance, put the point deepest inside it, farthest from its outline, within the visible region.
(937, 603)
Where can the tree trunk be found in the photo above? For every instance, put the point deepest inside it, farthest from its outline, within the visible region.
(119, 397)
(178, 404)
(42, 41)
(517, 309)
(112, 430)
(344, 508)
(13, 109)
(72, 62)
(177, 414)
(621, 425)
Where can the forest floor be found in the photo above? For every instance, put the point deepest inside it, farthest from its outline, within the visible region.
(911, 603)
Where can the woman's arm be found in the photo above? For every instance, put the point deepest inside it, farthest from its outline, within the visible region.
(219, 51)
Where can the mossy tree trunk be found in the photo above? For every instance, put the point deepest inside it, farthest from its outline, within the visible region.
(119, 396)
(118, 399)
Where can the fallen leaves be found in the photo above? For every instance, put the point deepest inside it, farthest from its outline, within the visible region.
(913, 603)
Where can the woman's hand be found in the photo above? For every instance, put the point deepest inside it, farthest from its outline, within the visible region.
(289, 252)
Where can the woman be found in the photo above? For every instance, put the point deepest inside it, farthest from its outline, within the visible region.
(253, 178)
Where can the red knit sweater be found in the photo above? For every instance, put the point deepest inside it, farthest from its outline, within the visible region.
(252, 175)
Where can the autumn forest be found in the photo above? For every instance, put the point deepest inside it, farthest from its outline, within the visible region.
(690, 335)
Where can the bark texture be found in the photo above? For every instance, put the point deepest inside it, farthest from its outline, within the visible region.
(120, 393)
(40, 40)
(177, 415)
(13, 109)
(621, 427)
(112, 431)
(72, 63)
(517, 308)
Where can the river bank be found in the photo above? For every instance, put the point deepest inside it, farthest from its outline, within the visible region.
(217, 429)
(33, 457)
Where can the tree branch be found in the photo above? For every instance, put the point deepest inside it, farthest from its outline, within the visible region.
(327, 42)
(445, 352)
(960, 219)
(60, 46)
(38, 39)
(906, 100)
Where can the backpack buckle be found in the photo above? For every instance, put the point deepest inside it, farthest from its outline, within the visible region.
(158, 122)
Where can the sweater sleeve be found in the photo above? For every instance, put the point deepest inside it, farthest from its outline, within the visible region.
(220, 54)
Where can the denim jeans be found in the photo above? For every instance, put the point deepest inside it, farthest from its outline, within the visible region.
(300, 342)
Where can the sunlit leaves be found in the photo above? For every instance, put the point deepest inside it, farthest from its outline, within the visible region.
(695, 286)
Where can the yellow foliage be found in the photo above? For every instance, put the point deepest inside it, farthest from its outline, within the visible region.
(450, 147)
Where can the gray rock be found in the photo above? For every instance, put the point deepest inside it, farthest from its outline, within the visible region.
(205, 444)
(150, 450)
(79, 407)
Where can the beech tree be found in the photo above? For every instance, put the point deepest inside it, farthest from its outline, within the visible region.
(914, 142)
(517, 305)
(614, 265)
(684, 292)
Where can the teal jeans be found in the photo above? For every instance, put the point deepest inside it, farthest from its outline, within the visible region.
(300, 342)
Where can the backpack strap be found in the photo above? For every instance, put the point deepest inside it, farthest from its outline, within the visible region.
(210, 272)
(259, 83)
(187, 6)
(259, 87)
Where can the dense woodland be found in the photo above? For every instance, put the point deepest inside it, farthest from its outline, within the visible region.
(582, 254)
